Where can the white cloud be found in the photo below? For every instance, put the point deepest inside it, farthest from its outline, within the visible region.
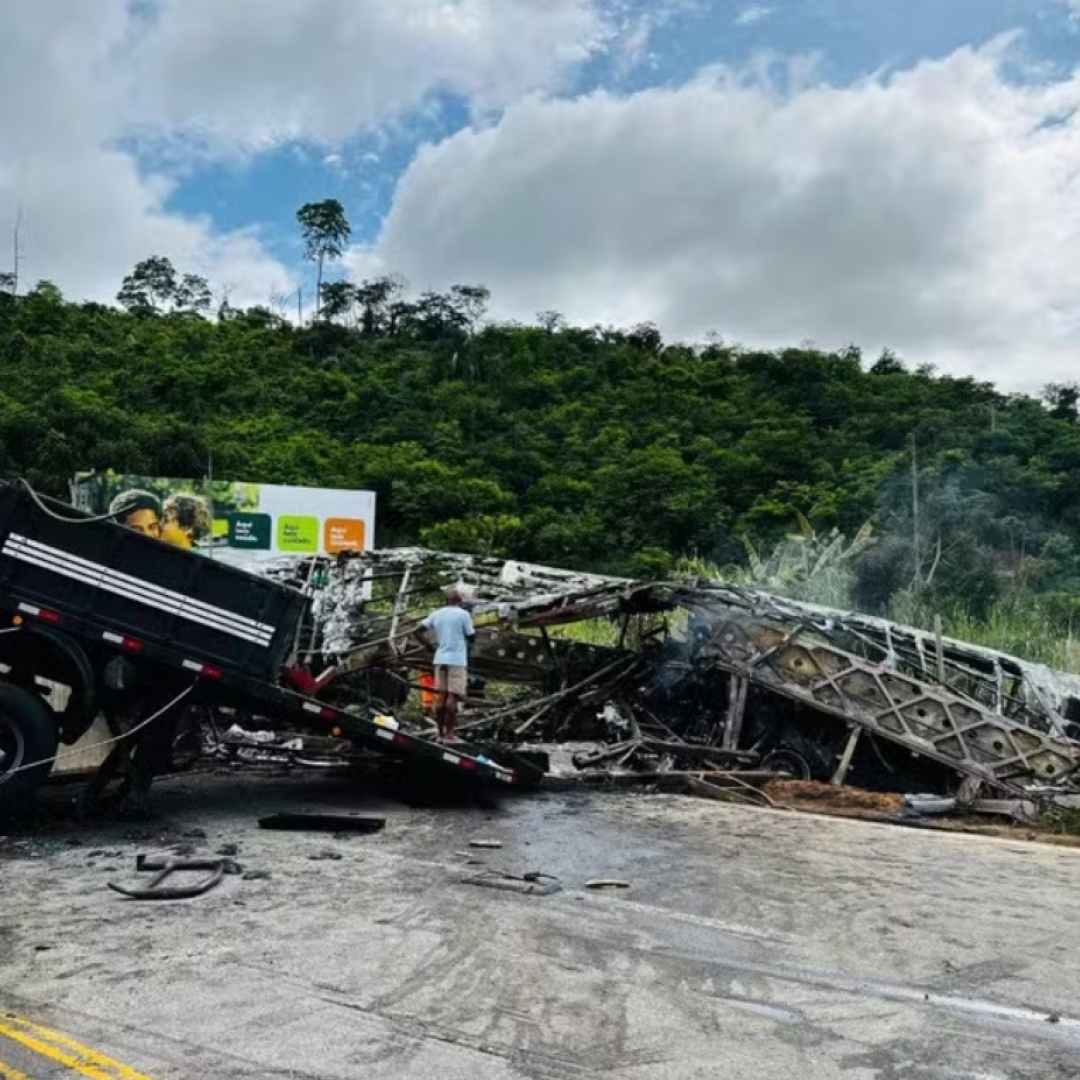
(80, 80)
(756, 13)
(260, 72)
(88, 212)
(936, 211)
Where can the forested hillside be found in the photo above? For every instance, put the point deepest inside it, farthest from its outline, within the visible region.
(578, 446)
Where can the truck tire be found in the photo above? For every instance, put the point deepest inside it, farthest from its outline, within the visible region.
(42, 651)
(28, 742)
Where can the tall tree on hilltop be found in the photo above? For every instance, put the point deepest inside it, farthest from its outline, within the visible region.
(1063, 400)
(337, 299)
(375, 298)
(471, 301)
(151, 284)
(325, 231)
(193, 296)
(154, 287)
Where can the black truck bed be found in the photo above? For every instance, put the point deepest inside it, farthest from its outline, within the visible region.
(114, 588)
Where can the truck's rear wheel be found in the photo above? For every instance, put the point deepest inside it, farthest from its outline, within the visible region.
(28, 742)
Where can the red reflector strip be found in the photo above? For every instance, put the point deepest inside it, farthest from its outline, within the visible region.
(467, 763)
(126, 642)
(319, 710)
(203, 669)
(48, 616)
(402, 740)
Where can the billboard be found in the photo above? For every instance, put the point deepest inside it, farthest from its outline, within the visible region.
(236, 522)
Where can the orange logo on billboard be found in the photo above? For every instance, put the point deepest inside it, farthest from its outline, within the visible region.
(343, 534)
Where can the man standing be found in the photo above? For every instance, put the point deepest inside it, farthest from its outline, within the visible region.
(452, 628)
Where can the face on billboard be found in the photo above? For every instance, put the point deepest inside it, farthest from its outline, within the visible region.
(138, 510)
(187, 520)
(144, 521)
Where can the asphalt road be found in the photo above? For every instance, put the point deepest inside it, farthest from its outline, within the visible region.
(751, 943)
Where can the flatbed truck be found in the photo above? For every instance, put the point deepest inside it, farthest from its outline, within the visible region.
(111, 620)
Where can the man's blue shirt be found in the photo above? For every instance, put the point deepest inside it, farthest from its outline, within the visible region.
(452, 626)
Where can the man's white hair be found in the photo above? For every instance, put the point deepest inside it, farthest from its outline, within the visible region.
(466, 592)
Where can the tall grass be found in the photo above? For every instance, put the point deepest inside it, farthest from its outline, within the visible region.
(1029, 625)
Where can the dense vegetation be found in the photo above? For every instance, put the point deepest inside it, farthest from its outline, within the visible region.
(583, 447)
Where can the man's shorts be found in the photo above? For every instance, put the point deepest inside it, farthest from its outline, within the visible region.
(451, 680)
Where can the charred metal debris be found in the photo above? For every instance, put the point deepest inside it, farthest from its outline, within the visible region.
(695, 678)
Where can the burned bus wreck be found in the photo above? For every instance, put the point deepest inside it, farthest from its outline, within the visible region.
(696, 676)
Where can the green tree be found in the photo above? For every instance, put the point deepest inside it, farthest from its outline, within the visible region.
(150, 286)
(325, 231)
(374, 299)
(338, 298)
(192, 295)
(471, 302)
(1063, 400)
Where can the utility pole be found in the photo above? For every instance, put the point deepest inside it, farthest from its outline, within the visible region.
(915, 539)
(16, 251)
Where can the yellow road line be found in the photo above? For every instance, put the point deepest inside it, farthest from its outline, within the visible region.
(8, 1073)
(64, 1050)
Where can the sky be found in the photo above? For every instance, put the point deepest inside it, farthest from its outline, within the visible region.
(899, 174)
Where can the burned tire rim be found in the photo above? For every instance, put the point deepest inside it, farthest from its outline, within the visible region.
(12, 749)
(789, 761)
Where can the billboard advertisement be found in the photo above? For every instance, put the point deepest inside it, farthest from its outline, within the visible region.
(236, 522)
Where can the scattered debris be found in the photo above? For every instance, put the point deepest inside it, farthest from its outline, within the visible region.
(929, 805)
(533, 883)
(485, 844)
(607, 883)
(215, 870)
(255, 875)
(228, 850)
(344, 823)
(1021, 810)
(715, 787)
(320, 856)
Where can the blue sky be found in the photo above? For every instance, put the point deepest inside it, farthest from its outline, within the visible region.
(848, 39)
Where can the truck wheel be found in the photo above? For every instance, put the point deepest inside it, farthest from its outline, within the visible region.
(28, 742)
